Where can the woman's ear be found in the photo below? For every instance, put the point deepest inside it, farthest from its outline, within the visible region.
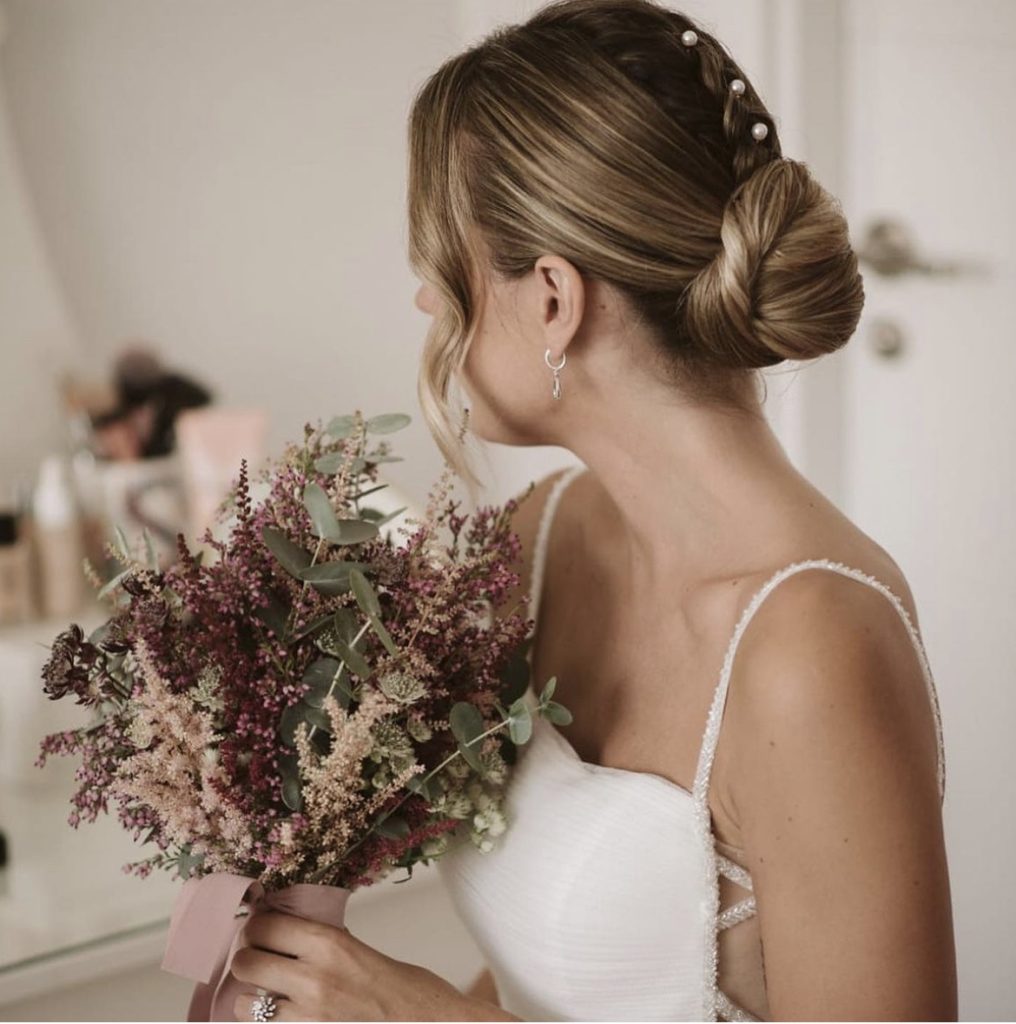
(562, 297)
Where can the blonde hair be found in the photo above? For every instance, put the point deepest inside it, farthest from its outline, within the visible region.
(592, 132)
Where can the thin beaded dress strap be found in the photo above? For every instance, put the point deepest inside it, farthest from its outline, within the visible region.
(543, 538)
(715, 1001)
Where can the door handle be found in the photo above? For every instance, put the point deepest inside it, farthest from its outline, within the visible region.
(890, 249)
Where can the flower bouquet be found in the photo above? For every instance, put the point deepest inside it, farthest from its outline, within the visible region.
(314, 708)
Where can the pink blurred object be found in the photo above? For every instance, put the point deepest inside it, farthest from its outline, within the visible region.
(211, 442)
(204, 931)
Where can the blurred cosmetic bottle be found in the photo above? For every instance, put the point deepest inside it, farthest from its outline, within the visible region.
(57, 539)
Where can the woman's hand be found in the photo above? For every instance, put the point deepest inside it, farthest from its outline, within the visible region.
(319, 972)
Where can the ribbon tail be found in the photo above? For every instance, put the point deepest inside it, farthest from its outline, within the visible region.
(200, 1007)
(202, 933)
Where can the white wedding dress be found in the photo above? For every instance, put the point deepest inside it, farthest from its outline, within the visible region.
(601, 900)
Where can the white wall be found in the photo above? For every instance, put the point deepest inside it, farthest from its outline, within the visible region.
(227, 179)
(37, 336)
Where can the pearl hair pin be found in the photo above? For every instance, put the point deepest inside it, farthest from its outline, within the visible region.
(759, 130)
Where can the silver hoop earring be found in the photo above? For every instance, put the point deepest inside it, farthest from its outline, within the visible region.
(556, 369)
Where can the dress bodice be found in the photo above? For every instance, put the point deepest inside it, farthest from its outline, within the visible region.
(601, 900)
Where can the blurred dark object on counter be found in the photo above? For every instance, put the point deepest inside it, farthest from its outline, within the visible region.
(17, 598)
(148, 398)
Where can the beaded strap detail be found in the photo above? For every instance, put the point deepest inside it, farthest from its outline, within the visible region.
(715, 1002)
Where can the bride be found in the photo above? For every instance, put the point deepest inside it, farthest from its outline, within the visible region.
(743, 820)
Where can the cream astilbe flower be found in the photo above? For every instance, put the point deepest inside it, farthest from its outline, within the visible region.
(335, 807)
(172, 774)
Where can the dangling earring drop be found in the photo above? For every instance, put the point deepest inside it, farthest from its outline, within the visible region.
(556, 369)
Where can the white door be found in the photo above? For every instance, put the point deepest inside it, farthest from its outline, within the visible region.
(929, 418)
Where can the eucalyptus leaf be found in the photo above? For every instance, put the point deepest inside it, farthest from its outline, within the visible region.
(558, 713)
(364, 593)
(393, 827)
(330, 462)
(330, 578)
(153, 558)
(292, 796)
(467, 724)
(391, 515)
(114, 582)
(429, 789)
(290, 556)
(383, 635)
(520, 722)
(346, 623)
(548, 689)
(311, 627)
(341, 426)
(274, 616)
(290, 719)
(187, 861)
(319, 677)
(317, 717)
(354, 531)
(352, 657)
(472, 756)
(388, 423)
(370, 490)
(99, 633)
(322, 515)
(121, 543)
(515, 676)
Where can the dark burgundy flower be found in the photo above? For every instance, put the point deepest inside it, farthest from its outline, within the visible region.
(70, 665)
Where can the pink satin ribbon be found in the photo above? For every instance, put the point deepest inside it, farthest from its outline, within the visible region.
(205, 927)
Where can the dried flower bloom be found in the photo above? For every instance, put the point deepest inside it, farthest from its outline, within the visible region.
(404, 687)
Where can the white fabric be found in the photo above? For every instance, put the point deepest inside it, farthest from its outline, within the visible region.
(601, 900)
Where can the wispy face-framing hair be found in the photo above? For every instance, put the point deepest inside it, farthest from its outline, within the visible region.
(593, 131)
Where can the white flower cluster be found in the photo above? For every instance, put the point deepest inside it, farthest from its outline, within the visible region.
(139, 731)
(393, 750)
(477, 802)
(205, 692)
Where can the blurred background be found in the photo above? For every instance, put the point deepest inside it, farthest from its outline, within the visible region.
(203, 247)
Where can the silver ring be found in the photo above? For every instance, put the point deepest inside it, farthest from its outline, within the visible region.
(263, 1008)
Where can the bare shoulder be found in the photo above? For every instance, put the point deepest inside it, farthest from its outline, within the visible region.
(825, 645)
(525, 521)
(836, 790)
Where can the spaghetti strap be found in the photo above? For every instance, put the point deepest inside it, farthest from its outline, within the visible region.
(543, 539)
(712, 860)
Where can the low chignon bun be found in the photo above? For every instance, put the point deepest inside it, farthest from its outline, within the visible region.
(785, 284)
